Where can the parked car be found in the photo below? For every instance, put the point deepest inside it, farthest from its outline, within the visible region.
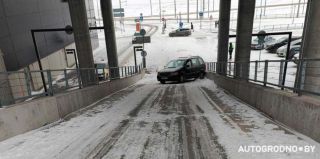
(272, 47)
(282, 51)
(256, 46)
(182, 69)
(296, 58)
(293, 51)
(180, 32)
(102, 71)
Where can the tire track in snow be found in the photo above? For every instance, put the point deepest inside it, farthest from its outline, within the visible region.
(103, 148)
(229, 115)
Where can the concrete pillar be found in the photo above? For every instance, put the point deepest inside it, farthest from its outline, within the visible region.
(6, 97)
(110, 37)
(223, 37)
(245, 19)
(311, 47)
(78, 14)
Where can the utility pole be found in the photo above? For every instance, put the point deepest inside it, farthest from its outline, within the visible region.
(188, 11)
(197, 9)
(175, 9)
(212, 5)
(120, 17)
(208, 8)
(151, 6)
(160, 9)
(203, 5)
(298, 12)
(265, 7)
(304, 4)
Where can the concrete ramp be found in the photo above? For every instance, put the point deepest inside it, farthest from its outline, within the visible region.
(193, 120)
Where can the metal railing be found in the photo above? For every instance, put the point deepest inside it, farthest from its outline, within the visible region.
(21, 86)
(300, 76)
(281, 27)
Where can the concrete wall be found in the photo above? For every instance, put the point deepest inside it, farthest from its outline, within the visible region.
(299, 113)
(23, 117)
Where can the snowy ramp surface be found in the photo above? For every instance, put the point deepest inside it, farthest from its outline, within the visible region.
(153, 121)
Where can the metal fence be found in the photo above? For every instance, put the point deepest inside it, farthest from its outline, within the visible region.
(278, 27)
(299, 76)
(21, 86)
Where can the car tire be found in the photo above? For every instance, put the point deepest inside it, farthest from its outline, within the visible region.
(201, 76)
(163, 82)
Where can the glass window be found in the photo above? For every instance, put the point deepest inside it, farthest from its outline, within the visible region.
(175, 63)
(195, 62)
(189, 64)
(201, 61)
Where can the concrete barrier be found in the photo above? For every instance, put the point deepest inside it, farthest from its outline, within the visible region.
(299, 113)
(72, 101)
(23, 117)
(27, 116)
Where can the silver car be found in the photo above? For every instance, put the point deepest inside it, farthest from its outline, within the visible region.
(180, 32)
(282, 51)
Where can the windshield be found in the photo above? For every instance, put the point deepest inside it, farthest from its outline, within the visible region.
(175, 63)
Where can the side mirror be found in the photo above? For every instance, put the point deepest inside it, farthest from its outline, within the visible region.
(188, 66)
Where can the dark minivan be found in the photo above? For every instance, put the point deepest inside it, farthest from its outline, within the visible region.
(182, 69)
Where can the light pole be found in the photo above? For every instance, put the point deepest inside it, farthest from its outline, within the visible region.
(208, 8)
(175, 8)
(212, 5)
(265, 7)
(160, 10)
(151, 7)
(163, 13)
(197, 9)
(298, 12)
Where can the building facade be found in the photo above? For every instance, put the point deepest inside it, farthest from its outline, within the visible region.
(18, 17)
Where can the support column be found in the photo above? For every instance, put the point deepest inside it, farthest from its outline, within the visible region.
(110, 37)
(223, 37)
(78, 14)
(6, 97)
(311, 47)
(246, 10)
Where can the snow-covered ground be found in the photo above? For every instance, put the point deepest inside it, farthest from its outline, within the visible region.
(149, 120)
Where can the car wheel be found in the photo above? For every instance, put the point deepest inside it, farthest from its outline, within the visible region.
(163, 82)
(201, 76)
(182, 79)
